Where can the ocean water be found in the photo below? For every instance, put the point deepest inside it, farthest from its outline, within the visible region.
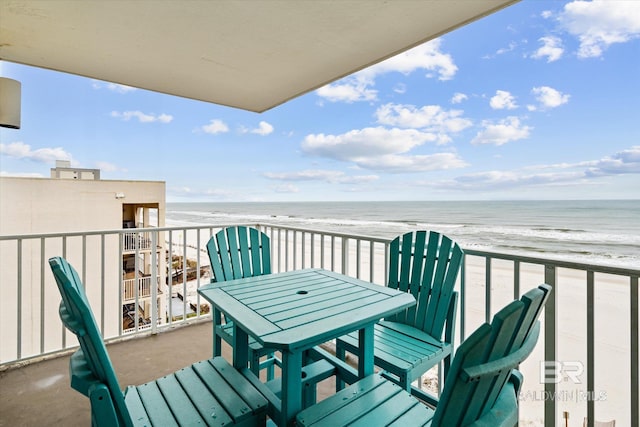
(605, 232)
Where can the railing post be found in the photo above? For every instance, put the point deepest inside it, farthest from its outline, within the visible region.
(345, 255)
(550, 342)
(635, 360)
(154, 283)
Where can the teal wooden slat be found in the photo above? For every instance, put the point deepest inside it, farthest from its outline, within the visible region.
(405, 262)
(137, 411)
(394, 262)
(265, 252)
(202, 398)
(233, 404)
(222, 249)
(155, 405)
(418, 415)
(256, 259)
(234, 254)
(439, 296)
(214, 258)
(245, 252)
(427, 279)
(177, 400)
(388, 411)
(417, 271)
(250, 395)
(442, 311)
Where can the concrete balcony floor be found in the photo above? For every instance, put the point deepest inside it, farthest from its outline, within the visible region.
(39, 393)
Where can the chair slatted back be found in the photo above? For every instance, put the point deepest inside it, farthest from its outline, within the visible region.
(427, 265)
(484, 361)
(77, 316)
(238, 252)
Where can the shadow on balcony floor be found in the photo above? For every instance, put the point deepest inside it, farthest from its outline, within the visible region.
(40, 394)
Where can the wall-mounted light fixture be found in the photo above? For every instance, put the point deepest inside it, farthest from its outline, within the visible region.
(119, 195)
(9, 103)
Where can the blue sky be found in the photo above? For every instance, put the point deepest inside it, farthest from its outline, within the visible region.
(538, 101)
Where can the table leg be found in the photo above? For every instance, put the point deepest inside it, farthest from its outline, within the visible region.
(365, 360)
(291, 387)
(240, 347)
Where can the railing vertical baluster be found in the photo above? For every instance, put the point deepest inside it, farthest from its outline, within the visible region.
(590, 347)
(286, 250)
(170, 277)
(42, 320)
(154, 282)
(198, 273)
(304, 248)
(19, 311)
(635, 360)
(358, 244)
(516, 280)
(322, 251)
(313, 249)
(102, 281)
(345, 255)
(64, 255)
(371, 261)
(121, 285)
(550, 342)
(184, 275)
(333, 253)
(295, 250)
(487, 291)
(463, 296)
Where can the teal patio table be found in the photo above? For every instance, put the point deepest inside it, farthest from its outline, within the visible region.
(297, 310)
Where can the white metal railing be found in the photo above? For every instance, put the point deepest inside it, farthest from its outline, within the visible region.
(138, 240)
(143, 285)
(580, 303)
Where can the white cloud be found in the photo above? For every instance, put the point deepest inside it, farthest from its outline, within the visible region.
(20, 150)
(600, 23)
(108, 167)
(503, 100)
(364, 143)
(142, 117)
(330, 176)
(381, 149)
(507, 130)
(114, 87)
(624, 162)
(359, 86)
(458, 97)
(432, 118)
(215, 126)
(263, 129)
(286, 188)
(549, 97)
(551, 49)
(349, 89)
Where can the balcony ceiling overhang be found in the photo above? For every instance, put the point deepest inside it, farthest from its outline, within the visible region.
(252, 55)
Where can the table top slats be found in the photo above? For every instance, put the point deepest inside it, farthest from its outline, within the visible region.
(300, 308)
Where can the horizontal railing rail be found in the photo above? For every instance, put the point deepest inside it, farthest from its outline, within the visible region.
(179, 265)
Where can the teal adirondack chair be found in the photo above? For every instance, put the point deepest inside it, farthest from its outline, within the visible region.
(481, 389)
(425, 264)
(210, 392)
(235, 253)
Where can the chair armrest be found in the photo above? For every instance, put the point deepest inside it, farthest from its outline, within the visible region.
(474, 373)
